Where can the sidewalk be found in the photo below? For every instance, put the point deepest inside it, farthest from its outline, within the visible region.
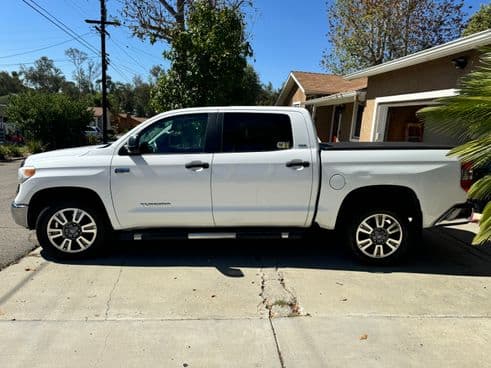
(156, 305)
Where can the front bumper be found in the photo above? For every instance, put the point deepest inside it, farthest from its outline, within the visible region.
(458, 214)
(19, 213)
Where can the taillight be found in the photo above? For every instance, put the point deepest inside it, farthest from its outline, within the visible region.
(466, 176)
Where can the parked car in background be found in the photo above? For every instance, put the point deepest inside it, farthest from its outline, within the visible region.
(92, 131)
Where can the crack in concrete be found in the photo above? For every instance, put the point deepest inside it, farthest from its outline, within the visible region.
(277, 299)
(104, 347)
(108, 303)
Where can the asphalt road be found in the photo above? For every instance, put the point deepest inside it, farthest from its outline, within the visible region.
(14, 240)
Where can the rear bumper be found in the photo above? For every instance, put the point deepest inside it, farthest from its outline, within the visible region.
(459, 214)
(19, 213)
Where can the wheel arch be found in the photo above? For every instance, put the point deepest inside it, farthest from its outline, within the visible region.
(45, 197)
(393, 196)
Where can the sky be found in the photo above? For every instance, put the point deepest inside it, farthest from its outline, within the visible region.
(285, 35)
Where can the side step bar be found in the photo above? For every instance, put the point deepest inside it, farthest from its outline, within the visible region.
(193, 234)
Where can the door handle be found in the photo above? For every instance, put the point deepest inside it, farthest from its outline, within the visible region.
(120, 170)
(297, 163)
(197, 165)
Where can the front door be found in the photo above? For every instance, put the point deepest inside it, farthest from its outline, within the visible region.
(168, 183)
(260, 178)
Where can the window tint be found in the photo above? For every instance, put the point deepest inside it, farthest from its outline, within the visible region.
(254, 132)
(177, 134)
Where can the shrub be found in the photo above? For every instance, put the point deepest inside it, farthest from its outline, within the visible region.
(4, 152)
(35, 146)
(55, 120)
(16, 151)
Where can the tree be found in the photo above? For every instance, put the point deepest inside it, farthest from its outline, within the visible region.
(480, 21)
(44, 76)
(54, 119)
(268, 95)
(370, 32)
(10, 83)
(468, 115)
(86, 70)
(163, 19)
(78, 58)
(208, 61)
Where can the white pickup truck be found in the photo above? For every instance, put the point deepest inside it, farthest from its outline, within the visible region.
(237, 172)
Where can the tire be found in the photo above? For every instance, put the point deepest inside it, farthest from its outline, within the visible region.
(70, 230)
(379, 236)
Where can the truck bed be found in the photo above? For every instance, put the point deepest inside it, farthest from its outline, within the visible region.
(355, 146)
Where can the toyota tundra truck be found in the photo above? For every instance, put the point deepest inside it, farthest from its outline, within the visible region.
(238, 172)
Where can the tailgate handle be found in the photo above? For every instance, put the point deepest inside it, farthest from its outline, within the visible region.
(297, 163)
(197, 165)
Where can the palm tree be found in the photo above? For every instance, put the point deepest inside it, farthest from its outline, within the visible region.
(468, 116)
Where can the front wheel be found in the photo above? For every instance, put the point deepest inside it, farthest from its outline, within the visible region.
(379, 236)
(70, 230)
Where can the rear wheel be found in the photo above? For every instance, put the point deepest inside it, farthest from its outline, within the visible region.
(70, 230)
(379, 236)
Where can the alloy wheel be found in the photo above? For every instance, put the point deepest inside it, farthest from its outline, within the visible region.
(71, 230)
(379, 235)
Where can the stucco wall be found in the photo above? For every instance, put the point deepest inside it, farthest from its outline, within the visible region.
(430, 76)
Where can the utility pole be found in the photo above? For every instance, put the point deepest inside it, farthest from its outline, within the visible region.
(102, 30)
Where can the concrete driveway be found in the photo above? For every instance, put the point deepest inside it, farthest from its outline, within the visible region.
(250, 304)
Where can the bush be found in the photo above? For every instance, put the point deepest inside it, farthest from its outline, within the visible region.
(4, 152)
(9, 150)
(35, 146)
(16, 151)
(53, 119)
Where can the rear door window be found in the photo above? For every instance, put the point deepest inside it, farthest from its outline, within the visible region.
(256, 132)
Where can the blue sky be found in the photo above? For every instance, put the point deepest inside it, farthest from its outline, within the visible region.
(285, 35)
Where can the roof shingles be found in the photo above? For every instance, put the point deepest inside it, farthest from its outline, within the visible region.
(326, 84)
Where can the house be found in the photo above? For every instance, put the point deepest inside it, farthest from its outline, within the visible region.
(97, 122)
(127, 121)
(398, 88)
(336, 104)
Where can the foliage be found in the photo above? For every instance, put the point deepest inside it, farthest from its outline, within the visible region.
(86, 70)
(55, 120)
(10, 83)
(132, 98)
(366, 33)
(480, 21)
(468, 116)
(268, 95)
(35, 146)
(44, 76)
(208, 61)
(11, 150)
(163, 19)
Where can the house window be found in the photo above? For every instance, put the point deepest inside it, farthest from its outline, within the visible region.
(356, 127)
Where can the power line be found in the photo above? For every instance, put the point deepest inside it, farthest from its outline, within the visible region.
(59, 24)
(128, 54)
(34, 62)
(41, 48)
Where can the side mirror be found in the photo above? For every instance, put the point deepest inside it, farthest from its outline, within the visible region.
(133, 144)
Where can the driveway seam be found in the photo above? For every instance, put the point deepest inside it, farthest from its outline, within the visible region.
(108, 303)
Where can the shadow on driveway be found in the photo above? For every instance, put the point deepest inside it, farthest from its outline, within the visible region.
(442, 251)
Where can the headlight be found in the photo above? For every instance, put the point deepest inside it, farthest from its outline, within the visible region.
(25, 173)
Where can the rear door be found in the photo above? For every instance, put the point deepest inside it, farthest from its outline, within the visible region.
(261, 177)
